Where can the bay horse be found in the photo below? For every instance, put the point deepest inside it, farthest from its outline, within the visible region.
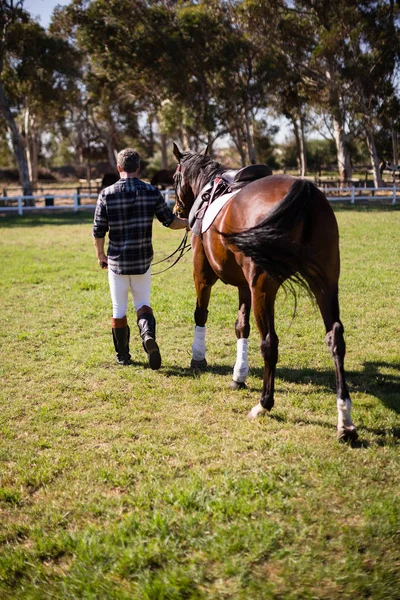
(277, 230)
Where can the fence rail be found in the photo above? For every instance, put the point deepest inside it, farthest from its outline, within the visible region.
(73, 202)
(78, 201)
(353, 194)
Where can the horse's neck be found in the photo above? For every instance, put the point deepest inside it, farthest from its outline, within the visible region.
(201, 182)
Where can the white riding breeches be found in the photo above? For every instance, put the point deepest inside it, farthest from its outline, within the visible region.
(139, 285)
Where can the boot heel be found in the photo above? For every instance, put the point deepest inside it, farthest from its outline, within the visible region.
(147, 329)
(153, 352)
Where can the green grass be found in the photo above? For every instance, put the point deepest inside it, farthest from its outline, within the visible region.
(124, 483)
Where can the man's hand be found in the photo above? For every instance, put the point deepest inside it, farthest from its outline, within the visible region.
(179, 223)
(102, 260)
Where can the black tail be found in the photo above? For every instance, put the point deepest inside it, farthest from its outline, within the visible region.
(271, 245)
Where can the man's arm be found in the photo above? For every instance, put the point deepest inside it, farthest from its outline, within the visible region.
(101, 257)
(100, 228)
(179, 223)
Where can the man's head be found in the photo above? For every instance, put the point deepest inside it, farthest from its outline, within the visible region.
(128, 161)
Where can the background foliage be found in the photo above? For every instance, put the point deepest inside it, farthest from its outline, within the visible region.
(108, 74)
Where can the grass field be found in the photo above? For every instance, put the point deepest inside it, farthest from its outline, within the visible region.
(124, 483)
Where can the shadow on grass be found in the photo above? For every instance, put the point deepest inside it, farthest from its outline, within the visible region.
(382, 436)
(371, 380)
(43, 217)
(366, 206)
(31, 220)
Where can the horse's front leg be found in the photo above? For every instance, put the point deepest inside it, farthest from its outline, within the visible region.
(263, 299)
(204, 278)
(242, 328)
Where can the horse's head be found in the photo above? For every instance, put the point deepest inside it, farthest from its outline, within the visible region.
(192, 173)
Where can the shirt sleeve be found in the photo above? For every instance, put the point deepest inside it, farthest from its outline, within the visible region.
(163, 212)
(100, 222)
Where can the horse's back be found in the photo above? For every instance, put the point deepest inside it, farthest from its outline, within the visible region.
(255, 201)
(292, 207)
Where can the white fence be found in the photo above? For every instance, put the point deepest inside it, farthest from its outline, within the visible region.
(73, 202)
(78, 201)
(354, 194)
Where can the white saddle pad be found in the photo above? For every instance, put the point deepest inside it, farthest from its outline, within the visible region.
(214, 208)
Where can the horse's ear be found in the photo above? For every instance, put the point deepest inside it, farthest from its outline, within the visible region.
(207, 150)
(178, 154)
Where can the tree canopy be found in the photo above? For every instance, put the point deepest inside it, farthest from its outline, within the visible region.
(146, 72)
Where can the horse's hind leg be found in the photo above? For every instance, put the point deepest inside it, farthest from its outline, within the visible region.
(242, 328)
(329, 307)
(263, 303)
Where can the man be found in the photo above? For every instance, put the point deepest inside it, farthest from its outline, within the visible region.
(125, 210)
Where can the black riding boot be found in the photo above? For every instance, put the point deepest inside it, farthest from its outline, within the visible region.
(147, 329)
(121, 334)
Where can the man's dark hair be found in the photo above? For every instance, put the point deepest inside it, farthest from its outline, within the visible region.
(128, 160)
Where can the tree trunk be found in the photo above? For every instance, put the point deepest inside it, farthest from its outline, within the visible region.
(251, 149)
(164, 155)
(374, 157)
(238, 137)
(336, 109)
(111, 153)
(18, 146)
(32, 146)
(343, 155)
(185, 138)
(395, 145)
(298, 127)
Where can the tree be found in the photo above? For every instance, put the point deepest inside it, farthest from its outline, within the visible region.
(352, 53)
(10, 11)
(38, 73)
(372, 52)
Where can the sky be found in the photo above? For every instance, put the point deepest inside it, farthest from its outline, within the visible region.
(43, 9)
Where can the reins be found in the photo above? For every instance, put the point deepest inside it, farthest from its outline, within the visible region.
(183, 248)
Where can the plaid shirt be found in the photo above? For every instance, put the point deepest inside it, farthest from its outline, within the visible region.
(126, 210)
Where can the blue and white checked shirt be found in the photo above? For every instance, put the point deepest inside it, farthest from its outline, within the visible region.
(126, 210)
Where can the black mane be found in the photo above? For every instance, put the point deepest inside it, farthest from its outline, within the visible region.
(200, 169)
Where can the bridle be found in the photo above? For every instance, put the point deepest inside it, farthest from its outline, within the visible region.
(178, 185)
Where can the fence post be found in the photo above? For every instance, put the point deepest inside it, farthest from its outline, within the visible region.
(394, 195)
(353, 195)
(20, 211)
(76, 201)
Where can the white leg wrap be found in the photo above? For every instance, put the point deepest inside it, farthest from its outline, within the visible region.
(241, 368)
(199, 343)
(344, 410)
(257, 411)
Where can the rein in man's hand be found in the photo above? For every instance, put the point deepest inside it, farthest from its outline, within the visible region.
(102, 260)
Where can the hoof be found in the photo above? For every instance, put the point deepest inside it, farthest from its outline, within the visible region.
(198, 365)
(237, 385)
(257, 411)
(348, 434)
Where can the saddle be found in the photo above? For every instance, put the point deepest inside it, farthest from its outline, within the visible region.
(226, 184)
(242, 177)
